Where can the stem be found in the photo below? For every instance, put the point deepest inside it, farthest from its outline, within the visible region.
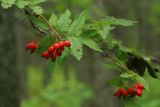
(30, 13)
(50, 27)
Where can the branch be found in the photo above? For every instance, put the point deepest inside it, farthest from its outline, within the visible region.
(30, 13)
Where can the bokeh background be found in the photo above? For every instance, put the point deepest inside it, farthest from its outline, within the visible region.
(29, 81)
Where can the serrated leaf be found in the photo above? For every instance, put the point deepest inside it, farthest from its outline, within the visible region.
(90, 43)
(76, 27)
(53, 20)
(44, 44)
(128, 74)
(110, 21)
(105, 32)
(76, 47)
(7, 3)
(64, 21)
(115, 21)
(21, 3)
(37, 9)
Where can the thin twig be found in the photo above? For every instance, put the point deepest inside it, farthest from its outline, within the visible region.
(30, 13)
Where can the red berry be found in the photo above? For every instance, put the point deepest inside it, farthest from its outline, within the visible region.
(62, 44)
(45, 55)
(125, 93)
(59, 52)
(116, 94)
(130, 90)
(51, 49)
(139, 86)
(133, 94)
(32, 46)
(120, 90)
(67, 43)
(56, 45)
(54, 56)
(138, 92)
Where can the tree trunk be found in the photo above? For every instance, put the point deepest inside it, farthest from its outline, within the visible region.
(9, 75)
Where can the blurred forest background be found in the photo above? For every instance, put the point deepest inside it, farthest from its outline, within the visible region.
(28, 81)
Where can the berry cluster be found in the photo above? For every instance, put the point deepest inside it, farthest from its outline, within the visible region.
(53, 51)
(130, 91)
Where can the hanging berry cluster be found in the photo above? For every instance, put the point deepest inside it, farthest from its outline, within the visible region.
(134, 91)
(53, 51)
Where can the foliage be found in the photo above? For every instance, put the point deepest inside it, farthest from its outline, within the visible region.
(93, 34)
(58, 93)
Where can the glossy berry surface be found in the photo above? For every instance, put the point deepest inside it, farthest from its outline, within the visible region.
(134, 91)
(61, 44)
(56, 45)
(51, 49)
(32, 46)
(45, 55)
(67, 43)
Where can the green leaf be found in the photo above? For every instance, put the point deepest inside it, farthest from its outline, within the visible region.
(142, 81)
(110, 21)
(64, 21)
(53, 20)
(7, 3)
(35, 2)
(21, 3)
(76, 27)
(44, 44)
(115, 21)
(111, 43)
(105, 32)
(37, 9)
(125, 49)
(39, 23)
(128, 74)
(116, 82)
(76, 47)
(90, 43)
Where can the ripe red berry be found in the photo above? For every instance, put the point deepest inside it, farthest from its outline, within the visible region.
(120, 90)
(51, 49)
(54, 56)
(62, 44)
(125, 93)
(56, 45)
(67, 43)
(116, 94)
(130, 90)
(59, 52)
(138, 92)
(45, 55)
(32, 46)
(139, 86)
